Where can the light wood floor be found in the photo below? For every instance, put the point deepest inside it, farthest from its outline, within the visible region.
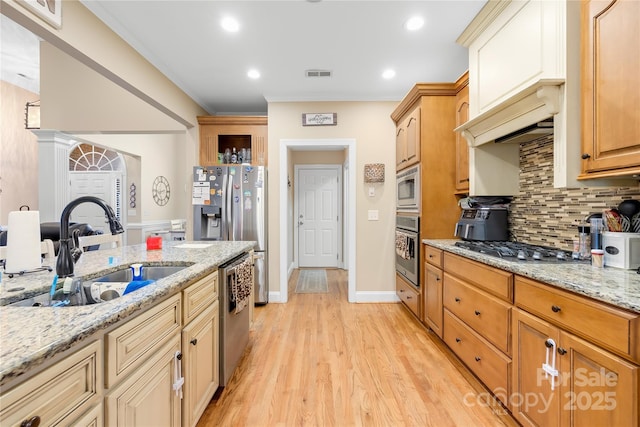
(320, 361)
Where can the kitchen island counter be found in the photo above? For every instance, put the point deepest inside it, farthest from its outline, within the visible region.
(32, 336)
(614, 286)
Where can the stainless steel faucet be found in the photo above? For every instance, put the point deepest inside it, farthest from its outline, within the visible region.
(64, 264)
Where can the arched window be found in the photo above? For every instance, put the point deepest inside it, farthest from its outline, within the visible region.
(87, 157)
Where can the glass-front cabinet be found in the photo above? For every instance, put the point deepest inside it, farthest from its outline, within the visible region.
(233, 139)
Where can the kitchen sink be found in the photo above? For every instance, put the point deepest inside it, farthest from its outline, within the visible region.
(98, 289)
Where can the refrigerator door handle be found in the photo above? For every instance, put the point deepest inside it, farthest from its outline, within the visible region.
(230, 219)
(227, 208)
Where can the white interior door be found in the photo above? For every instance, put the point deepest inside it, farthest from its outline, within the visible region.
(317, 217)
(103, 185)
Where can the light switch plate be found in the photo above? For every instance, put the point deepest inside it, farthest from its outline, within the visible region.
(372, 215)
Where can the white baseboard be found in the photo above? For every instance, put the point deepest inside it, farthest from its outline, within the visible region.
(376, 296)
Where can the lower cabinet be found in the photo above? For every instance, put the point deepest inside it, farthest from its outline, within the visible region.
(200, 344)
(60, 395)
(408, 294)
(147, 396)
(591, 387)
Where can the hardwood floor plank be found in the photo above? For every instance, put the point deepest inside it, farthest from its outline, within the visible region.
(321, 361)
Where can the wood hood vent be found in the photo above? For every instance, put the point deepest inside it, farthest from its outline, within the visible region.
(533, 104)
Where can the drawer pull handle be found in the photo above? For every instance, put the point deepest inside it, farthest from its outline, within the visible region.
(458, 340)
(477, 313)
(477, 358)
(408, 296)
(430, 256)
(31, 422)
(457, 299)
(562, 351)
(555, 309)
(437, 278)
(194, 341)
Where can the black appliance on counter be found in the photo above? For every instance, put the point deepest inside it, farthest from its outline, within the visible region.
(483, 223)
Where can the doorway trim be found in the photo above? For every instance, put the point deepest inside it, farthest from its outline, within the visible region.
(340, 212)
(349, 219)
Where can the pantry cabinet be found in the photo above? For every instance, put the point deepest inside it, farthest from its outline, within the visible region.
(408, 140)
(218, 133)
(462, 147)
(611, 99)
(592, 386)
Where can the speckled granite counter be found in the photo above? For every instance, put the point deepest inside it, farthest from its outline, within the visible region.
(29, 336)
(611, 285)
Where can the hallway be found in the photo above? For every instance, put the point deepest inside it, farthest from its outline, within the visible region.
(321, 361)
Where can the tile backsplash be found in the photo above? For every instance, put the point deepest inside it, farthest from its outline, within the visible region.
(541, 214)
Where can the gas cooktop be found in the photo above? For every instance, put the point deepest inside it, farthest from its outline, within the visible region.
(517, 251)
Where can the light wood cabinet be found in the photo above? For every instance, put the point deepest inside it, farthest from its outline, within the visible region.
(146, 397)
(59, 395)
(593, 386)
(611, 97)
(462, 147)
(218, 133)
(432, 293)
(409, 295)
(408, 141)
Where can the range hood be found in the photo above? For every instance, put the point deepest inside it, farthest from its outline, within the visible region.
(522, 115)
(529, 133)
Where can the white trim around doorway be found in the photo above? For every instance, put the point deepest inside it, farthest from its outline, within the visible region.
(349, 144)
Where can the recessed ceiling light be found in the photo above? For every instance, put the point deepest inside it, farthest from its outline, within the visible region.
(414, 23)
(230, 24)
(253, 74)
(388, 74)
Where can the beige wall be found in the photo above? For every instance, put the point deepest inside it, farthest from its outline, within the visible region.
(369, 123)
(18, 153)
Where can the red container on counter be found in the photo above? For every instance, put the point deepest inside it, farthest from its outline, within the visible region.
(154, 242)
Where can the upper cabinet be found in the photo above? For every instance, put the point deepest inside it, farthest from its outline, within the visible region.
(610, 87)
(408, 140)
(218, 133)
(462, 148)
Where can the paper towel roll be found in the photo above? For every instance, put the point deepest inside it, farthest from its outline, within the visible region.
(23, 242)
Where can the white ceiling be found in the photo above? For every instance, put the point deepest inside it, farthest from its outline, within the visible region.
(356, 40)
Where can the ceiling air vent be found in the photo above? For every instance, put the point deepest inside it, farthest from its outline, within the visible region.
(318, 73)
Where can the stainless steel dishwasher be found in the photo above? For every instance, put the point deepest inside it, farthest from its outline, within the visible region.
(234, 327)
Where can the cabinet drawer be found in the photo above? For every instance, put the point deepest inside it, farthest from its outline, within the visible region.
(60, 393)
(408, 295)
(129, 345)
(199, 296)
(489, 364)
(433, 255)
(496, 282)
(484, 313)
(615, 329)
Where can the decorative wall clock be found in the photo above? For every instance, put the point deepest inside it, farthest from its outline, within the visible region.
(161, 190)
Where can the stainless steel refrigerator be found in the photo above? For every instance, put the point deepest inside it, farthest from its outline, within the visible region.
(230, 203)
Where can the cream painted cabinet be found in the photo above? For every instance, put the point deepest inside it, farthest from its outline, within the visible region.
(610, 87)
(200, 347)
(147, 396)
(65, 394)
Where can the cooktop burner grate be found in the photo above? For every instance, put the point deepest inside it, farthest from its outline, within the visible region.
(517, 251)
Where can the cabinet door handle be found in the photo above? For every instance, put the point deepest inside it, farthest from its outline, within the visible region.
(408, 296)
(31, 422)
(586, 156)
(562, 351)
(555, 308)
(477, 313)
(179, 356)
(477, 358)
(437, 278)
(458, 340)
(194, 341)
(457, 299)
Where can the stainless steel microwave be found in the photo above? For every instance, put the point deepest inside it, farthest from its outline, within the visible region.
(408, 190)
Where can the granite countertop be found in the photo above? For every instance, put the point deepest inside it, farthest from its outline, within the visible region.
(614, 286)
(29, 336)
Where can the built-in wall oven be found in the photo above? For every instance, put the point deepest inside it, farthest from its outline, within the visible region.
(408, 190)
(408, 247)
